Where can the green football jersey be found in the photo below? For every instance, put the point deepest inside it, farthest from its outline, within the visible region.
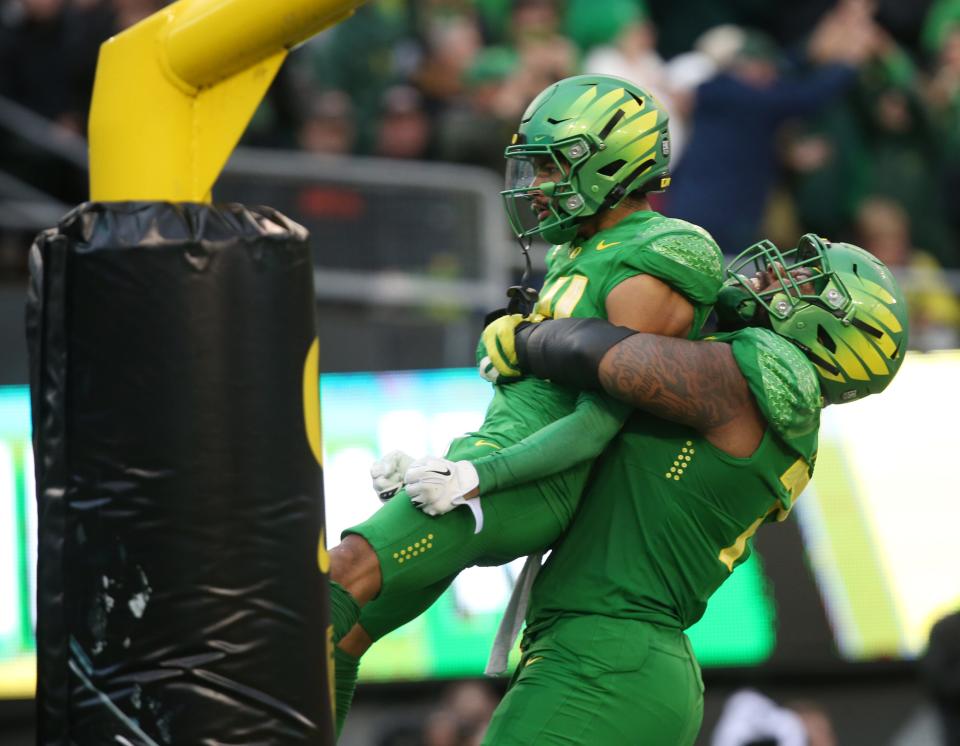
(667, 516)
(581, 274)
(579, 277)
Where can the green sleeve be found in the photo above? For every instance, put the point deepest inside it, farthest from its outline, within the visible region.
(579, 436)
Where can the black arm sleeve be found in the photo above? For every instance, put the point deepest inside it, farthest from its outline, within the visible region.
(567, 351)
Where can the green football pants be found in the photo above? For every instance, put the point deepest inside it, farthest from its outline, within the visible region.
(598, 681)
(420, 555)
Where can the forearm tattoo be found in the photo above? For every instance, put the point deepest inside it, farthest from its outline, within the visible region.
(694, 383)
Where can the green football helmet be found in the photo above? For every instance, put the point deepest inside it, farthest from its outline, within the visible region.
(838, 303)
(584, 143)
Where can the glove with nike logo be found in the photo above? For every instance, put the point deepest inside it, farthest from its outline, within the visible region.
(437, 486)
(387, 474)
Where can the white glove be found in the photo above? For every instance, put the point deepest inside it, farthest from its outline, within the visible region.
(387, 473)
(437, 486)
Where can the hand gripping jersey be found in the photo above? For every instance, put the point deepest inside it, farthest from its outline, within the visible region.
(667, 516)
(580, 275)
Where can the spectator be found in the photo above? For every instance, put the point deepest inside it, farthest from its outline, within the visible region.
(943, 94)
(501, 81)
(731, 161)
(47, 54)
(386, 56)
(940, 667)
(937, 723)
(816, 722)
(625, 46)
(883, 228)
(750, 718)
(452, 43)
(589, 29)
(404, 126)
(476, 129)
(329, 124)
(545, 56)
(903, 158)
(45, 51)
(463, 716)
(942, 18)
(681, 22)
(881, 140)
(129, 12)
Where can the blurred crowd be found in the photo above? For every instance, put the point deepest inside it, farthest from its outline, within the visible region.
(835, 116)
(459, 717)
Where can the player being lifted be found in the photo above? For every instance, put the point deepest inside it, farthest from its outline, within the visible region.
(725, 440)
(587, 152)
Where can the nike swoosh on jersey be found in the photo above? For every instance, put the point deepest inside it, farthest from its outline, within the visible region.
(486, 443)
(533, 660)
(604, 245)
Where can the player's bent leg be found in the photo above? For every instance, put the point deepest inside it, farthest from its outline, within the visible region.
(345, 667)
(593, 680)
(356, 642)
(382, 615)
(413, 550)
(354, 579)
(355, 567)
(392, 609)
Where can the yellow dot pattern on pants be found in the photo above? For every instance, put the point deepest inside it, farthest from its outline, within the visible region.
(414, 550)
(681, 462)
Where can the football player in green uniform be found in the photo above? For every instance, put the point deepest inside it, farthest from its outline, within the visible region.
(587, 152)
(725, 440)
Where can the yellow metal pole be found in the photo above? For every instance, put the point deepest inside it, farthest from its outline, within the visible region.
(174, 93)
(212, 39)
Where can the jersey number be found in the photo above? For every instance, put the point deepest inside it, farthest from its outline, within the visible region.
(561, 296)
(795, 480)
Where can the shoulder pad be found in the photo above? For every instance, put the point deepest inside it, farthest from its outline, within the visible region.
(787, 389)
(684, 243)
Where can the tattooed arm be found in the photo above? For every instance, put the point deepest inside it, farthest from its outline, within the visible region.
(694, 383)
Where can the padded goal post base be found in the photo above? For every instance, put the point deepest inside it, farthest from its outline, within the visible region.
(181, 596)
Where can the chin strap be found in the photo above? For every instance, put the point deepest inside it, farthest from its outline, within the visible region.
(523, 298)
